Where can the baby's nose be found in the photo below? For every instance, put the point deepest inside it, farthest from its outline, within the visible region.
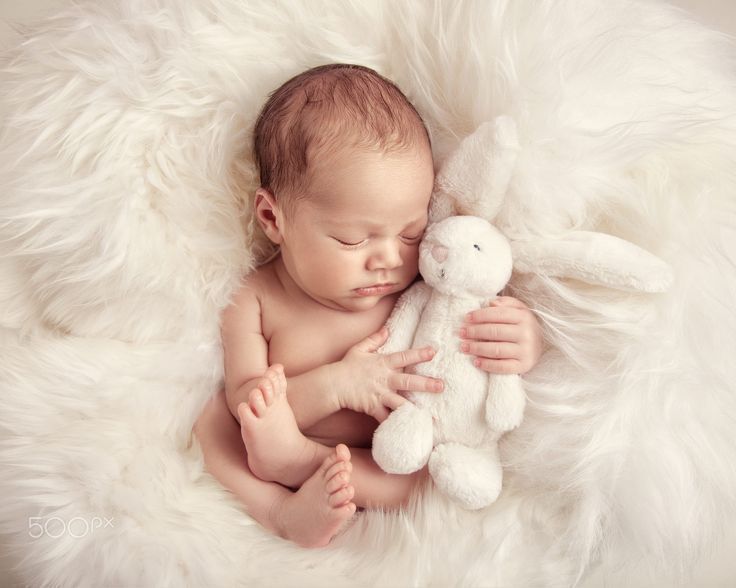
(439, 252)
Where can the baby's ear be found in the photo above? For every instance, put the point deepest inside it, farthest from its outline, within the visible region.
(268, 215)
(595, 258)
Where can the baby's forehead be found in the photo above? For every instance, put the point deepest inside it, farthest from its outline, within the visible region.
(371, 190)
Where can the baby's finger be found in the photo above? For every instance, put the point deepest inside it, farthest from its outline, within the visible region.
(507, 301)
(492, 332)
(498, 366)
(373, 342)
(380, 413)
(415, 383)
(491, 349)
(497, 314)
(393, 401)
(402, 359)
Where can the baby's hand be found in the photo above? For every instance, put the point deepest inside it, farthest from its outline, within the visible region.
(505, 337)
(366, 381)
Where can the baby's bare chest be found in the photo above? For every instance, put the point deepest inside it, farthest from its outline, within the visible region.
(303, 337)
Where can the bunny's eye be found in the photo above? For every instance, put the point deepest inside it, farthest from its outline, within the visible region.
(476, 246)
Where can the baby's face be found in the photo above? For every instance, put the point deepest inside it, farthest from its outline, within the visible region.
(355, 238)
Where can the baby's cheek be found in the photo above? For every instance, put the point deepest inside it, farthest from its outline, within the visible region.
(411, 258)
(411, 265)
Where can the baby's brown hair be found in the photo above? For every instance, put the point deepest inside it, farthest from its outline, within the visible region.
(324, 108)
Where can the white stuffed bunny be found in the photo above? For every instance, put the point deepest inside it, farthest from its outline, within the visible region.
(465, 262)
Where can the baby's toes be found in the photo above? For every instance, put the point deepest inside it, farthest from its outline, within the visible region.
(266, 385)
(256, 402)
(267, 391)
(338, 468)
(341, 496)
(327, 464)
(342, 452)
(275, 381)
(281, 378)
(339, 480)
(245, 413)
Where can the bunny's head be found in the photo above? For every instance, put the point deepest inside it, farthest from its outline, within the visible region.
(465, 255)
(474, 180)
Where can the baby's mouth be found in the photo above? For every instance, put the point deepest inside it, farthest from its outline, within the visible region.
(375, 289)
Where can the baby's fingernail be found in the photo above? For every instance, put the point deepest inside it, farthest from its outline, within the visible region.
(476, 362)
(465, 347)
(469, 317)
(439, 386)
(463, 332)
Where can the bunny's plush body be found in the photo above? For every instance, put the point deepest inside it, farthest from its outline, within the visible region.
(465, 262)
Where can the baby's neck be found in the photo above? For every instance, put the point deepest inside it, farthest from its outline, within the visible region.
(291, 288)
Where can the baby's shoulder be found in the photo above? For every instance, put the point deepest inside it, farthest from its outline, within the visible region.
(256, 286)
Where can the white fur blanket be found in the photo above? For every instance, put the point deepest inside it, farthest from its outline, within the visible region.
(125, 173)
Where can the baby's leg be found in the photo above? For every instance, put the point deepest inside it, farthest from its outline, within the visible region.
(309, 517)
(316, 512)
(374, 488)
(277, 449)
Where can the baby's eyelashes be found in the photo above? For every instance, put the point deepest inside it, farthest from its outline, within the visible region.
(355, 243)
(350, 244)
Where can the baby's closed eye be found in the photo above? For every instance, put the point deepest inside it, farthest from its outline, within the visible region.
(350, 243)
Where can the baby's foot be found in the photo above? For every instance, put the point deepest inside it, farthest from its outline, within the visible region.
(312, 516)
(277, 450)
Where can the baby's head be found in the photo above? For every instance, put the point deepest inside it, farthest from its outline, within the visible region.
(322, 112)
(346, 177)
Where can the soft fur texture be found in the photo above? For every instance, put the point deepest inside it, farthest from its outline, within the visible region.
(123, 223)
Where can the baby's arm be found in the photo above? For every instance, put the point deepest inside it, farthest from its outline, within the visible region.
(364, 380)
(246, 360)
(505, 337)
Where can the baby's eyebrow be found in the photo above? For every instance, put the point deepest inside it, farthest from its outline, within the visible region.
(378, 226)
(419, 220)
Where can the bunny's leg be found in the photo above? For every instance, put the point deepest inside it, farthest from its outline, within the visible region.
(471, 476)
(402, 443)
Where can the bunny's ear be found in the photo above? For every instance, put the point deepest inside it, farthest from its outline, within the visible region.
(595, 258)
(475, 177)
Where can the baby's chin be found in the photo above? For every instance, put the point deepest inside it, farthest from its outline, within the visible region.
(361, 303)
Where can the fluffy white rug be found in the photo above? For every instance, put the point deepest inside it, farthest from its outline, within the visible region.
(125, 174)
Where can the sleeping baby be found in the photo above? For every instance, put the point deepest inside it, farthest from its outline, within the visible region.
(346, 177)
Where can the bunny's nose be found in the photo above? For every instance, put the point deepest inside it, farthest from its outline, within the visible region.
(439, 253)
